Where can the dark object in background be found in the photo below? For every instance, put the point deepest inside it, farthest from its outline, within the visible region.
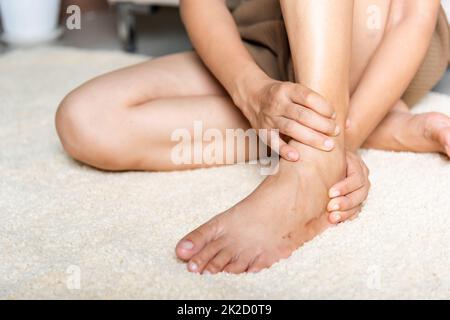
(126, 22)
(85, 5)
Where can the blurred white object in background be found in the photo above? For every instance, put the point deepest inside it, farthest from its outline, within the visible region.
(27, 22)
(446, 5)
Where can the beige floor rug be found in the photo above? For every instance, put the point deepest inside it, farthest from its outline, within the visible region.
(68, 231)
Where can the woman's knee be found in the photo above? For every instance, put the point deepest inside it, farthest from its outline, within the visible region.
(69, 123)
(87, 132)
(421, 14)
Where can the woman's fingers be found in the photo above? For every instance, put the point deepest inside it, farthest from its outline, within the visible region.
(347, 202)
(349, 194)
(357, 177)
(278, 145)
(305, 135)
(353, 182)
(311, 119)
(288, 152)
(312, 100)
(340, 216)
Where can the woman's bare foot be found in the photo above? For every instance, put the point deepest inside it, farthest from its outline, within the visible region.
(436, 129)
(403, 131)
(284, 212)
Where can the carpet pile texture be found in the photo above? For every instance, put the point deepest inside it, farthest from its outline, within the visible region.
(69, 231)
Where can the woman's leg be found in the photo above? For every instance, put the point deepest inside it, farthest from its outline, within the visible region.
(289, 207)
(124, 120)
(400, 130)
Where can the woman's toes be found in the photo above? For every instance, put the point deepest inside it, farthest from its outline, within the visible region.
(260, 263)
(443, 137)
(445, 140)
(437, 127)
(196, 240)
(240, 264)
(199, 261)
(216, 264)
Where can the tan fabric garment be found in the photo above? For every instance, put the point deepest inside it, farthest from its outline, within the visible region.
(261, 27)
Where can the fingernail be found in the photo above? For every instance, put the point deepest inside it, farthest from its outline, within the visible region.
(193, 266)
(292, 156)
(334, 193)
(187, 245)
(329, 144)
(335, 207)
(337, 131)
(336, 217)
(334, 116)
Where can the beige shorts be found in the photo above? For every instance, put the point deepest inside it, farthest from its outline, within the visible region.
(262, 29)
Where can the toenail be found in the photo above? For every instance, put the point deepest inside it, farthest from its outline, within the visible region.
(193, 266)
(334, 193)
(336, 217)
(187, 245)
(329, 144)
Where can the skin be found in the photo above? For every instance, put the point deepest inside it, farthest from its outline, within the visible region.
(406, 21)
(403, 131)
(245, 238)
(235, 93)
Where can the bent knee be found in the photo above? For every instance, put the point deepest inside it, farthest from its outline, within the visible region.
(87, 133)
(69, 125)
(421, 14)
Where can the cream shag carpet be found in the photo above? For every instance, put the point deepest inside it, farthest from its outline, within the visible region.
(68, 231)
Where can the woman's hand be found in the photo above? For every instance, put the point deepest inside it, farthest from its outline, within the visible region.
(296, 111)
(348, 195)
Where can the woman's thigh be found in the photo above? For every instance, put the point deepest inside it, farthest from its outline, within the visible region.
(124, 120)
(177, 75)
